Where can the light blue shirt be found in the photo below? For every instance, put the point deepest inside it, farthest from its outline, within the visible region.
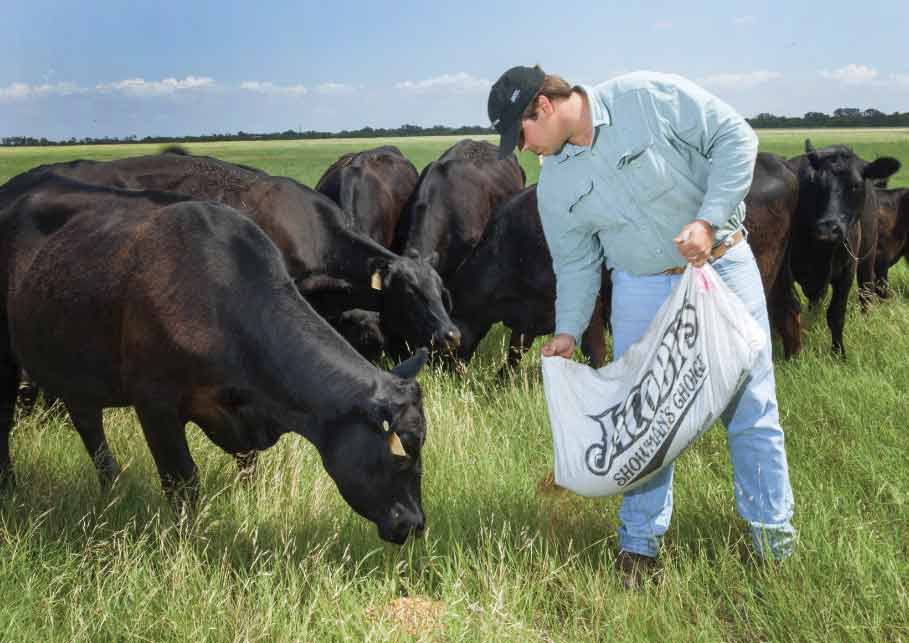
(664, 153)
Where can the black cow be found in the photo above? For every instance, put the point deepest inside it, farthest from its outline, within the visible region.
(836, 200)
(372, 186)
(334, 267)
(186, 311)
(892, 234)
(453, 200)
(509, 278)
(771, 205)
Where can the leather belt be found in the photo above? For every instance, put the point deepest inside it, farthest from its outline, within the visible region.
(718, 251)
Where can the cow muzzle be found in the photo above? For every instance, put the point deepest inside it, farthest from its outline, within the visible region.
(448, 339)
(829, 231)
(400, 523)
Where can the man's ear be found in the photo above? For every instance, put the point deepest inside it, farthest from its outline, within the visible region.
(545, 105)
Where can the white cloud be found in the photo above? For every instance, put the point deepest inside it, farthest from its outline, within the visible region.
(745, 80)
(899, 79)
(663, 25)
(458, 83)
(267, 87)
(142, 87)
(744, 20)
(851, 74)
(22, 90)
(335, 88)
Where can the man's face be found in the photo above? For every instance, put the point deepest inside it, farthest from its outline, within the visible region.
(540, 132)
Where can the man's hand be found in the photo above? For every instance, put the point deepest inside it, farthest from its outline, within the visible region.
(561, 345)
(695, 241)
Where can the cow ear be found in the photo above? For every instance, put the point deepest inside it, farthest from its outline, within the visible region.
(812, 154)
(881, 168)
(409, 368)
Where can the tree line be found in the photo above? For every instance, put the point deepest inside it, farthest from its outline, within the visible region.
(287, 135)
(841, 117)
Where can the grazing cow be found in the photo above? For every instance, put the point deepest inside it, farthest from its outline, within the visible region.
(836, 200)
(372, 186)
(334, 267)
(452, 202)
(892, 217)
(771, 205)
(185, 310)
(509, 278)
(363, 329)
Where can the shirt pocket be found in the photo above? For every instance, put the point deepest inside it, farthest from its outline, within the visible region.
(580, 195)
(645, 172)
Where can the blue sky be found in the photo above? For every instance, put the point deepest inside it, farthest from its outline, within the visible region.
(110, 68)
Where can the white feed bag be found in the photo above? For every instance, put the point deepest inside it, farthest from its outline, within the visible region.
(614, 427)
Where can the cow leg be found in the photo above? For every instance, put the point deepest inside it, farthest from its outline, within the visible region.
(593, 341)
(865, 285)
(785, 315)
(90, 425)
(836, 311)
(9, 387)
(166, 437)
(881, 284)
(517, 346)
(28, 393)
(246, 465)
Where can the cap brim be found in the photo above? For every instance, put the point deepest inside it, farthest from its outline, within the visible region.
(508, 140)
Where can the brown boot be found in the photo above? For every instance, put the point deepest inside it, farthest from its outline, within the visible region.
(634, 569)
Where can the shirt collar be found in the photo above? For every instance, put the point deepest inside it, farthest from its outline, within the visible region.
(599, 115)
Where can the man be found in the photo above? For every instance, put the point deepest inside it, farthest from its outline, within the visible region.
(646, 172)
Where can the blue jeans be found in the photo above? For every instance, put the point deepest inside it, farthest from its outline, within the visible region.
(763, 495)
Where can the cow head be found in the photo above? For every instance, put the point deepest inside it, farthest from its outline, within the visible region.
(833, 182)
(373, 454)
(363, 329)
(415, 302)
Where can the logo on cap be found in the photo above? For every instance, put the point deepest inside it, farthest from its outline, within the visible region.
(515, 94)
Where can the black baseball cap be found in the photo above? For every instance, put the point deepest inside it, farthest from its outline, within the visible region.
(509, 97)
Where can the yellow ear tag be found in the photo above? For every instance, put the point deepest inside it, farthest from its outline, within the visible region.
(394, 443)
(376, 281)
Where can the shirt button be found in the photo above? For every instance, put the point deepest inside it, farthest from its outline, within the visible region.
(659, 252)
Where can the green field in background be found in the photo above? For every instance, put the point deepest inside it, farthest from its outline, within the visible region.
(307, 160)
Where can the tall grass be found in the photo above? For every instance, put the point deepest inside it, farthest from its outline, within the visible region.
(503, 557)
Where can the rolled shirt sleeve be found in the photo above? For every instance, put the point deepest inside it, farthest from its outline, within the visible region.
(720, 134)
(577, 260)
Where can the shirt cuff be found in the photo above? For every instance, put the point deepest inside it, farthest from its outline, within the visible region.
(715, 216)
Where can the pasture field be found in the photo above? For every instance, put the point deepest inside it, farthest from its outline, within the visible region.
(503, 558)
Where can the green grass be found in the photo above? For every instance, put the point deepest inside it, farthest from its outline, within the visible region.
(285, 558)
